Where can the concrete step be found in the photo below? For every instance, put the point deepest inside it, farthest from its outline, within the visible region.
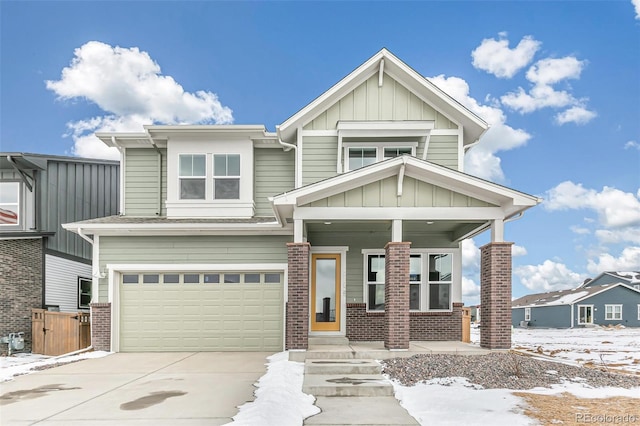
(328, 340)
(346, 385)
(345, 366)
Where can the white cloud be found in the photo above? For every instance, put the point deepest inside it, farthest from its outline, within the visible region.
(576, 114)
(615, 208)
(495, 56)
(548, 276)
(580, 230)
(538, 97)
(517, 250)
(636, 5)
(619, 236)
(482, 160)
(632, 144)
(128, 86)
(629, 260)
(552, 70)
(470, 291)
(470, 255)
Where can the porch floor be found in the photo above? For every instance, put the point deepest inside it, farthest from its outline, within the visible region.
(376, 350)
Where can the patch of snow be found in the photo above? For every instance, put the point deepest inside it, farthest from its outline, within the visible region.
(26, 363)
(279, 397)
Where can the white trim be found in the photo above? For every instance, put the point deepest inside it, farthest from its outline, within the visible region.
(613, 311)
(298, 178)
(497, 231)
(405, 213)
(638, 311)
(320, 132)
(396, 231)
(342, 251)
(95, 269)
(527, 314)
(592, 315)
(446, 132)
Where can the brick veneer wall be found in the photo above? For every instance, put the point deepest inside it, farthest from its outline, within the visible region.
(297, 323)
(495, 295)
(363, 326)
(101, 326)
(396, 295)
(21, 273)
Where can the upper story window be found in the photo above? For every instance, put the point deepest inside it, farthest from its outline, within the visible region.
(361, 154)
(193, 176)
(9, 204)
(226, 176)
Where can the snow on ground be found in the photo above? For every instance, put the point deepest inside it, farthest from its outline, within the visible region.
(280, 387)
(26, 363)
(617, 348)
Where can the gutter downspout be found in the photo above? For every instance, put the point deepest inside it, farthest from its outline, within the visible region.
(159, 175)
(287, 147)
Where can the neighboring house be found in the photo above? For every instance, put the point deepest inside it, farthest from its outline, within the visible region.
(347, 222)
(630, 278)
(41, 264)
(611, 303)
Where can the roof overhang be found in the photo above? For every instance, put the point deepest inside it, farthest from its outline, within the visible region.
(474, 126)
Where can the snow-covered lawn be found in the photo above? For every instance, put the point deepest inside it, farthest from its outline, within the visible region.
(617, 348)
(26, 363)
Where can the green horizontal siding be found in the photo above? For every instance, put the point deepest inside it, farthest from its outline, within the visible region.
(190, 249)
(274, 174)
(443, 150)
(142, 182)
(319, 158)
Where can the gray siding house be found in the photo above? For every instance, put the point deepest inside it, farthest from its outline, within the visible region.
(346, 222)
(42, 264)
(612, 303)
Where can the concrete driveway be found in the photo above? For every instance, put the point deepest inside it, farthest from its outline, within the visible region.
(202, 388)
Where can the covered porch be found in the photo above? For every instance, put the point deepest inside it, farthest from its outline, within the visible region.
(376, 255)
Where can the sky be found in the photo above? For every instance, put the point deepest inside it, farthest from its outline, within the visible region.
(559, 82)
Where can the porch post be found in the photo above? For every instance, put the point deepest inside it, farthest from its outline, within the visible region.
(297, 308)
(396, 295)
(495, 295)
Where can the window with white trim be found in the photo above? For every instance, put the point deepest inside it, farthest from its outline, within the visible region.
(527, 314)
(192, 173)
(10, 204)
(639, 312)
(613, 312)
(430, 281)
(226, 176)
(84, 293)
(361, 154)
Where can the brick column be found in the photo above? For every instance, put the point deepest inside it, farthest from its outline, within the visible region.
(396, 295)
(297, 333)
(101, 326)
(495, 296)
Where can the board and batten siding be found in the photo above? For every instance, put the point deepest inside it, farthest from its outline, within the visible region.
(74, 191)
(142, 182)
(384, 193)
(368, 101)
(61, 282)
(190, 250)
(274, 173)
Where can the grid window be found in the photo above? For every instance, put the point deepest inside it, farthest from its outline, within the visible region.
(440, 266)
(612, 312)
(9, 203)
(226, 172)
(360, 157)
(84, 293)
(396, 152)
(192, 175)
(375, 282)
(415, 278)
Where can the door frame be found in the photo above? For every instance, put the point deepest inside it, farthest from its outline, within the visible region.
(342, 251)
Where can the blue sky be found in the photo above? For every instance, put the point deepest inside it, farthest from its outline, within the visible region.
(558, 81)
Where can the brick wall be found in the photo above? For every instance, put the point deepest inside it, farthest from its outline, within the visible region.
(20, 285)
(396, 295)
(495, 295)
(363, 326)
(101, 326)
(297, 332)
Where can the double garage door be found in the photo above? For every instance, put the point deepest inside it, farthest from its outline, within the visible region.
(201, 311)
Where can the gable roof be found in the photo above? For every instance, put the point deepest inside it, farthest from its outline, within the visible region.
(565, 297)
(385, 61)
(511, 202)
(630, 277)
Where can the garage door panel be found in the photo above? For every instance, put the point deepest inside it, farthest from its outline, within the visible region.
(201, 317)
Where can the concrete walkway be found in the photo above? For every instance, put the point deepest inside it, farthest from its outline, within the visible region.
(203, 388)
(356, 393)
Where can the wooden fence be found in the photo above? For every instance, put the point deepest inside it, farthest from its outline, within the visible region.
(466, 325)
(57, 333)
